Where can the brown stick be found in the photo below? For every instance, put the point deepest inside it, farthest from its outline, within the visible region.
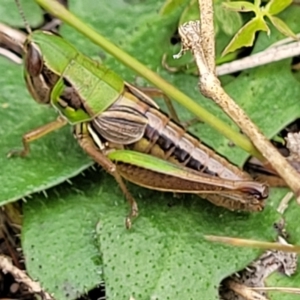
(210, 87)
(208, 33)
(20, 276)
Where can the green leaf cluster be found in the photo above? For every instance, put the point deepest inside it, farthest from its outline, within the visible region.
(246, 35)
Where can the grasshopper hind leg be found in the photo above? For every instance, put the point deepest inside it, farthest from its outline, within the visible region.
(235, 202)
(89, 145)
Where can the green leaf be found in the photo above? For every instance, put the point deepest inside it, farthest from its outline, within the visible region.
(257, 3)
(46, 165)
(241, 6)
(164, 255)
(282, 27)
(191, 12)
(57, 239)
(10, 15)
(276, 6)
(245, 36)
(171, 5)
(291, 17)
(228, 21)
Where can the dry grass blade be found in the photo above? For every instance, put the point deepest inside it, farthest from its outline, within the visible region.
(287, 290)
(253, 243)
(244, 291)
(283, 205)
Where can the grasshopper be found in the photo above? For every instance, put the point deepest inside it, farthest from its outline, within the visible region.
(123, 129)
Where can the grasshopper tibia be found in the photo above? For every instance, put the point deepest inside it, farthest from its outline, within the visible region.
(35, 134)
(155, 92)
(87, 143)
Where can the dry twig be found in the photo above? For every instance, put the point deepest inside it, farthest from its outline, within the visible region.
(208, 33)
(274, 53)
(287, 290)
(20, 276)
(244, 291)
(283, 205)
(209, 85)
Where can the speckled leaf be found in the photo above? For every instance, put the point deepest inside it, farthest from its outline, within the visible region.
(57, 239)
(163, 256)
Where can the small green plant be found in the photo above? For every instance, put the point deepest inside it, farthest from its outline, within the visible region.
(245, 36)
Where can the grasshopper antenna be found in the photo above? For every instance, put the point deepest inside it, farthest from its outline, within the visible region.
(21, 11)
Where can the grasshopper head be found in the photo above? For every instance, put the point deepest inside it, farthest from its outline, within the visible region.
(39, 78)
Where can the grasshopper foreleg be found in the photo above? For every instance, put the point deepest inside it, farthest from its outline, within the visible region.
(87, 143)
(35, 134)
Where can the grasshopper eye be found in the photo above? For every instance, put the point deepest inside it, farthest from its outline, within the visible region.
(33, 60)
